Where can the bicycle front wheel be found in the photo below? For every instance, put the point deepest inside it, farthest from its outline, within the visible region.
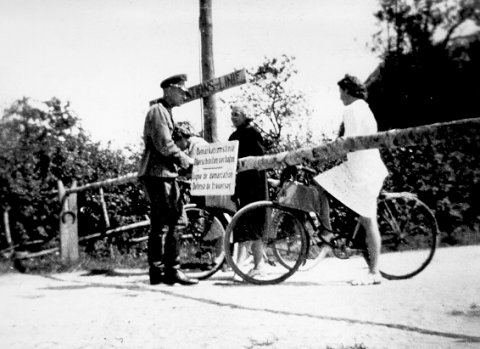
(286, 253)
(409, 235)
(201, 243)
(259, 248)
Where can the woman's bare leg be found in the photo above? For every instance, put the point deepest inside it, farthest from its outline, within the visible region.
(257, 251)
(374, 244)
(373, 241)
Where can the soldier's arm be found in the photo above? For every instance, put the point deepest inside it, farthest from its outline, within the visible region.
(162, 138)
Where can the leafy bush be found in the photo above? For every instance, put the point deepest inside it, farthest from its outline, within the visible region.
(446, 177)
(40, 145)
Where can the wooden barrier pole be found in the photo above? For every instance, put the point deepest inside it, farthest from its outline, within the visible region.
(429, 134)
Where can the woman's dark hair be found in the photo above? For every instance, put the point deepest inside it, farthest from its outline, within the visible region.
(353, 86)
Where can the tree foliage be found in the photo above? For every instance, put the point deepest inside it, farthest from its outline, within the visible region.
(428, 72)
(279, 110)
(416, 26)
(446, 177)
(428, 75)
(40, 145)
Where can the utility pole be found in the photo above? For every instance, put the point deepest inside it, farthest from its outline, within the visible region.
(208, 71)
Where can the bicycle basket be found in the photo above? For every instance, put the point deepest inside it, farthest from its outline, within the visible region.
(300, 196)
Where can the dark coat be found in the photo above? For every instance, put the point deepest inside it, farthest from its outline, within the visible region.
(250, 185)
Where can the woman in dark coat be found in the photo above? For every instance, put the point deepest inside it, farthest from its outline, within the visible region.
(250, 186)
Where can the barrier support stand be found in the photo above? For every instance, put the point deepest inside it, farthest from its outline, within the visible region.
(68, 224)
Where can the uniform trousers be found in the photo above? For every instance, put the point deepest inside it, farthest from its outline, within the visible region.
(166, 208)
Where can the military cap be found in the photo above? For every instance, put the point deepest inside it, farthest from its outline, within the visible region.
(177, 80)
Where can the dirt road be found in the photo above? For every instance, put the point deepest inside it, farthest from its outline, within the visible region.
(440, 308)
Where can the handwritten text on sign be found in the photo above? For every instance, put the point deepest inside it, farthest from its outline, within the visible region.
(215, 169)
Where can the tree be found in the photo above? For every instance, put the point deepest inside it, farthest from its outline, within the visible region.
(39, 145)
(280, 111)
(427, 73)
(416, 26)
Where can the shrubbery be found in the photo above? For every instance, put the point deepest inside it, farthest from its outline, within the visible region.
(43, 144)
(447, 178)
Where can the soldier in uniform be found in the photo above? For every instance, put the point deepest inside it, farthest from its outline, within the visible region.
(158, 171)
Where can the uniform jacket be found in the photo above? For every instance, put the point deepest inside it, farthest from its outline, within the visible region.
(161, 157)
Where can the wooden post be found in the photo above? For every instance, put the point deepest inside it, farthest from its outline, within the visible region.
(6, 224)
(104, 208)
(68, 224)
(208, 71)
(107, 220)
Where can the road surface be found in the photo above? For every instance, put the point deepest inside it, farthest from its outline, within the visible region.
(439, 308)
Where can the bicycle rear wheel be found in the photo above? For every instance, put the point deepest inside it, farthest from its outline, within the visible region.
(201, 243)
(409, 235)
(258, 222)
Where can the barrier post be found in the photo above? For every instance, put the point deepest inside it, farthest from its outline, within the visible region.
(68, 224)
(6, 224)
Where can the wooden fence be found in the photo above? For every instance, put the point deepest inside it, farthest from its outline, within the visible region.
(430, 134)
(68, 218)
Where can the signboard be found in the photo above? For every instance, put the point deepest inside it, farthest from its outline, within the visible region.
(212, 86)
(215, 169)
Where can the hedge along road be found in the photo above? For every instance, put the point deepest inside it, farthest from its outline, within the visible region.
(439, 308)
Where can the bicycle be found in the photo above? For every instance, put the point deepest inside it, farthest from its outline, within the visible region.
(294, 238)
(201, 236)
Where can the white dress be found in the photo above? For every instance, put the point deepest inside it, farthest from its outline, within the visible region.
(358, 181)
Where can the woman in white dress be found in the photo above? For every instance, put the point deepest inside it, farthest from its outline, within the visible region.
(358, 181)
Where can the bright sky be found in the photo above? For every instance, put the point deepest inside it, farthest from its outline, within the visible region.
(107, 57)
